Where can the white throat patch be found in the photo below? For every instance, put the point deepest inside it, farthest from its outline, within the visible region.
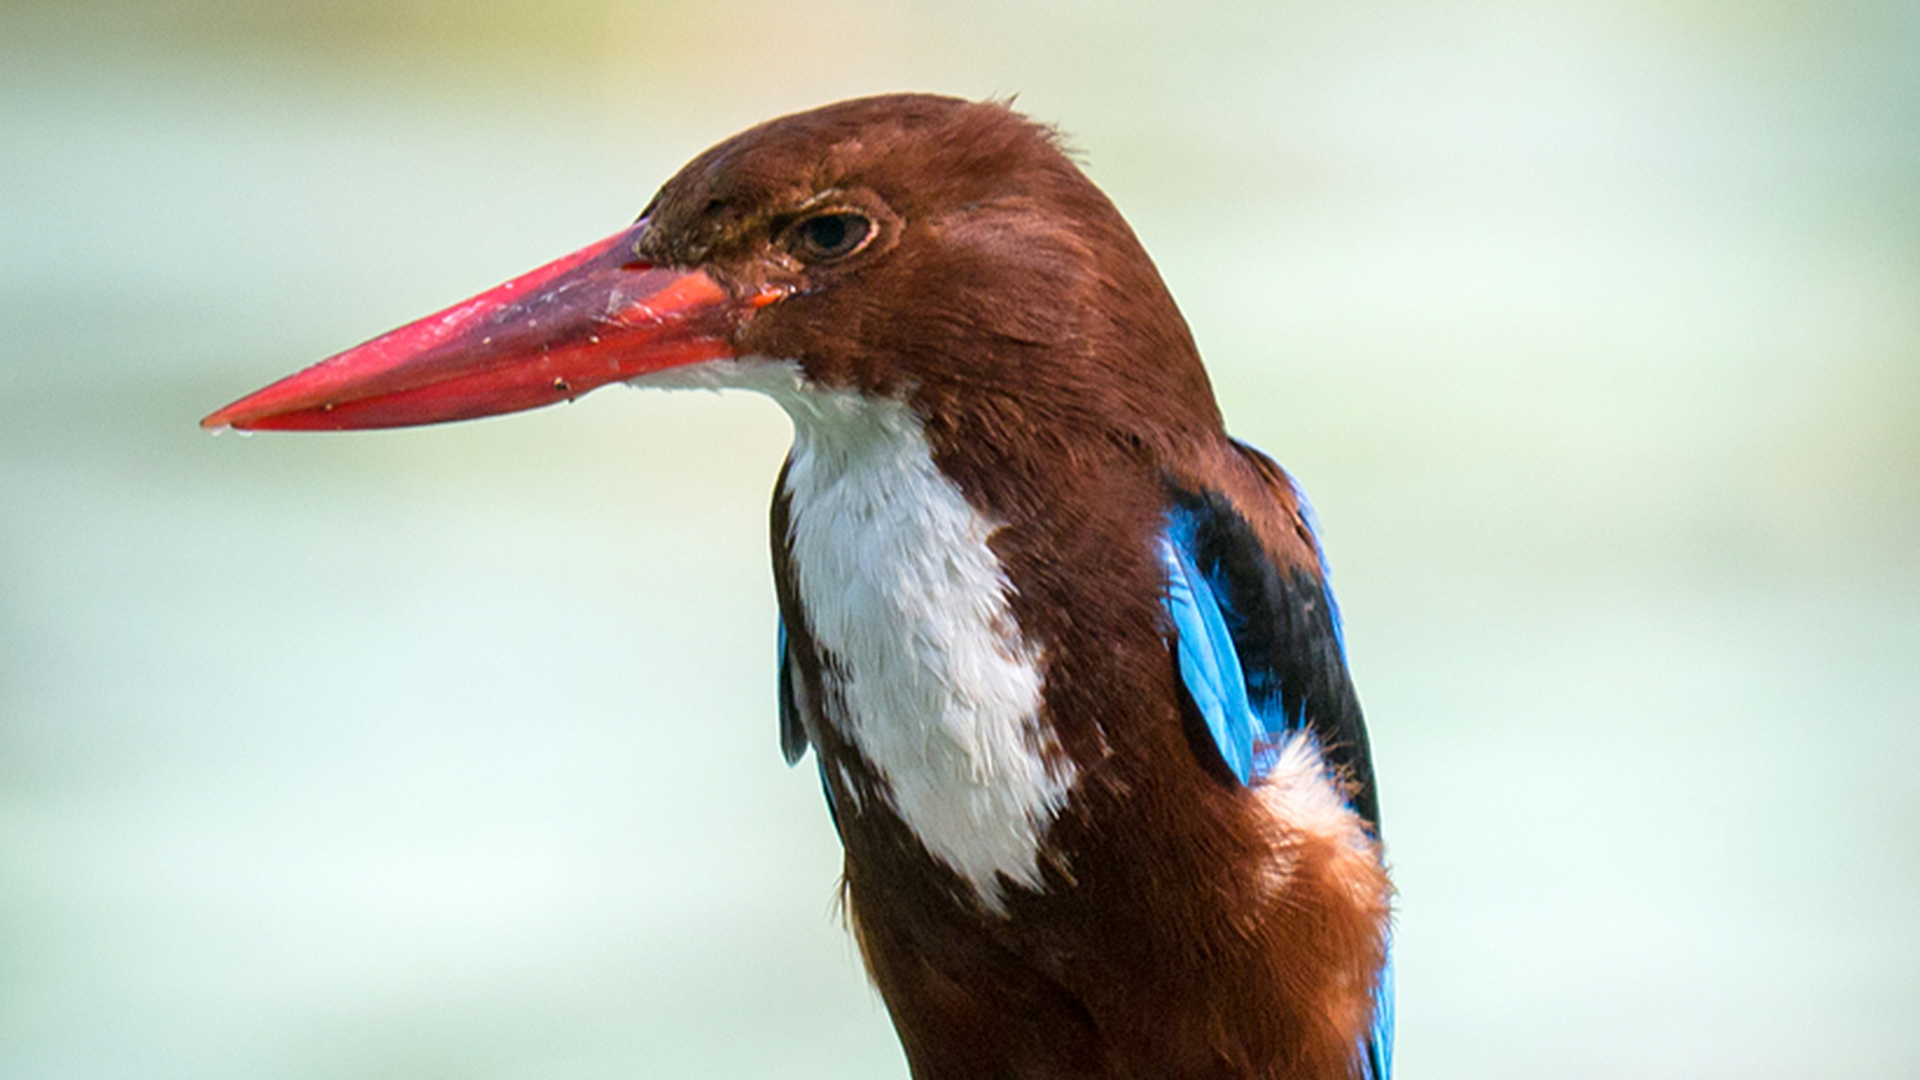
(935, 684)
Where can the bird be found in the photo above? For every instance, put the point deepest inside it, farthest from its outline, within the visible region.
(1063, 650)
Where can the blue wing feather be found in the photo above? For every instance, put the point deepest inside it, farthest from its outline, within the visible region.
(793, 727)
(1379, 1052)
(1209, 664)
(1245, 730)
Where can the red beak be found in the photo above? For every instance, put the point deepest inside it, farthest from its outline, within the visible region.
(597, 316)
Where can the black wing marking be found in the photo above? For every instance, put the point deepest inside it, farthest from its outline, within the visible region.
(793, 693)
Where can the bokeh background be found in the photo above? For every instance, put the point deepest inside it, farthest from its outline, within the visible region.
(1593, 327)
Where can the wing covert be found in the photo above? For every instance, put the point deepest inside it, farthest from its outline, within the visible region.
(1258, 637)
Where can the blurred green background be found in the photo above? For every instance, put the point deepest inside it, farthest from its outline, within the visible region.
(1594, 329)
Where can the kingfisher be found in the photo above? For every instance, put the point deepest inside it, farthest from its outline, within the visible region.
(1064, 650)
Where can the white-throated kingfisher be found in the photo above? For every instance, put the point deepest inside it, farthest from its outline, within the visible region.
(1064, 650)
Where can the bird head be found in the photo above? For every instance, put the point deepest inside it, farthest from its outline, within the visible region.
(910, 247)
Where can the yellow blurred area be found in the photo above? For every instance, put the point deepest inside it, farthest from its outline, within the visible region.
(1593, 328)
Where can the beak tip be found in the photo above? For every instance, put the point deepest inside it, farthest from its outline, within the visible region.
(229, 418)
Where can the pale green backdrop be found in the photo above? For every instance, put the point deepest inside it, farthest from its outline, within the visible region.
(1594, 329)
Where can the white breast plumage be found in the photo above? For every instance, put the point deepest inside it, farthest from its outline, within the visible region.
(931, 679)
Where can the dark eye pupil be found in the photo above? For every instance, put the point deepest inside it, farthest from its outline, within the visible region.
(835, 234)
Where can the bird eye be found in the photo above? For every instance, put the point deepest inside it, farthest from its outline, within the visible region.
(831, 236)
